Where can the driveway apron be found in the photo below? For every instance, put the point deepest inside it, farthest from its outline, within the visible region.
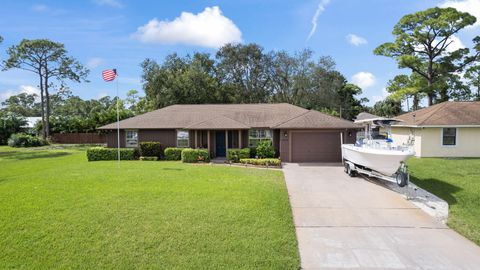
(349, 223)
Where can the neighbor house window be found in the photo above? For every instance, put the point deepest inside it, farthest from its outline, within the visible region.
(131, 138)
(257, 135)
(449, 136)
(183, 138)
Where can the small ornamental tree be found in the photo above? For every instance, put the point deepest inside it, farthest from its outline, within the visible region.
(265, 149)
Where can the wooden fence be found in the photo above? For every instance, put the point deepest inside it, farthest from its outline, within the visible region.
(78, 138)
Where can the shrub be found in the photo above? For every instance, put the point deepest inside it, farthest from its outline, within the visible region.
(102, 153)
(136, 153)
(253, 152)
(265, 149)
(25, 140)
(148, 158)
(172, 153)
(190, 155)
(262, 161)
(235, 154)
(10, 124)
(150, 149)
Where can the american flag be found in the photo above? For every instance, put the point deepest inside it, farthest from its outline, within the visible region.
(109, 75)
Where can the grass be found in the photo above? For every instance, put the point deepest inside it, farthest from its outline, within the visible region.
(59, 211)
(458, 182)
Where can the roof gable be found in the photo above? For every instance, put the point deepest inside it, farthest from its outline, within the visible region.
(315, 119)
(444, 114)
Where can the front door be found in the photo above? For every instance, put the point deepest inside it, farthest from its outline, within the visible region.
(220, 143)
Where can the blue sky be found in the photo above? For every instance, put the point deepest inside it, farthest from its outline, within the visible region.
(105, 34)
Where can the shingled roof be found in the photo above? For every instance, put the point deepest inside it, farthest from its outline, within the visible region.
(232, 116)
(449, 113)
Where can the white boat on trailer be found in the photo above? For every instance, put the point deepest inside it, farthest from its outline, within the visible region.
(377, 156)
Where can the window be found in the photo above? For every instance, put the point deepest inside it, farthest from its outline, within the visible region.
(449, 136)
(256, 135)
(183, 138)
(131, 138)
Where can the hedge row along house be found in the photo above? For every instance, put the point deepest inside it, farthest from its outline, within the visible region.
(297, 134)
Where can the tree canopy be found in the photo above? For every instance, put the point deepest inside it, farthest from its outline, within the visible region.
(49, 60)
(247, 74)
(423, 43)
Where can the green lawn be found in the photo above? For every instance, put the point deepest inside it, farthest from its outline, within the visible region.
(59, 211)
(458, 182)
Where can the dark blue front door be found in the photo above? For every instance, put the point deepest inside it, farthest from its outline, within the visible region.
(220, 143)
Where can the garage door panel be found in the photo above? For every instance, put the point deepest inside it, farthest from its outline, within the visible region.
(316, 146)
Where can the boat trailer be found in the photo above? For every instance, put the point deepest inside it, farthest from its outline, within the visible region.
(401, 177)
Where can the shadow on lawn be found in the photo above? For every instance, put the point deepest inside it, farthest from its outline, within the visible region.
(25, 155)
(440, 188)
(172, 169)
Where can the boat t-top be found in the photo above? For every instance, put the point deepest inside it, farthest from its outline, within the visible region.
(377, 155)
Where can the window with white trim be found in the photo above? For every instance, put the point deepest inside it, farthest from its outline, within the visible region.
(131, 138)
(183, 140)
(257, 135)
(449, 136)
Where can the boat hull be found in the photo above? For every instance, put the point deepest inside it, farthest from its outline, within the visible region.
(383, 161)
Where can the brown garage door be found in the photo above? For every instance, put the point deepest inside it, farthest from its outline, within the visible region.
(316, 146)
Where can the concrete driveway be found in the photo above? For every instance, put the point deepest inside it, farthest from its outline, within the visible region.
(350, 223)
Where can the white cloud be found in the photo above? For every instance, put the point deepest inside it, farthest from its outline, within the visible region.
(28, 89)
(94, 62)
(208, 28)
(363, 79)
(356, 40)
(384, 95)
(101, 95)
(455, 45)
(40, 8)
(320, 9)
(470, 6)
(110, 3)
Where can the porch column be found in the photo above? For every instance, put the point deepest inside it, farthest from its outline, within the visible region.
(226, 139)
(196, 139)
(208, 141)
(240, 138)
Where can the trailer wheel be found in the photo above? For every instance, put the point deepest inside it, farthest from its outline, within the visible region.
(349, 170)
(401, 178)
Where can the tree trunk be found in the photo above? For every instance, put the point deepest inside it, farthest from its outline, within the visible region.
(430, 99)
(430, 92)
(42, 104)
(47, 106)
(430, 80)
(444, 95)
(415, 103)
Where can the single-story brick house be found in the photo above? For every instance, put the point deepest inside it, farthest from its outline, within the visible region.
(448, 129)
(297, 134)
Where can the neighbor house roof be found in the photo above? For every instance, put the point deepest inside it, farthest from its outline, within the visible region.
(450, 113)
(31, 122)
(365, 116)
(232, 116)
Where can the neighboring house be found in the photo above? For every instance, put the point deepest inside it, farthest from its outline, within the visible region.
(297, 134)
(448, 129)
(30, 124)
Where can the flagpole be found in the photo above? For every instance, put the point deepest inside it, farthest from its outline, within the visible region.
(118, 122)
